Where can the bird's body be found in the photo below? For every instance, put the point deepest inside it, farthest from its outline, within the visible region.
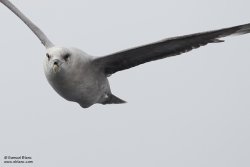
(82, 78)
(76, 79)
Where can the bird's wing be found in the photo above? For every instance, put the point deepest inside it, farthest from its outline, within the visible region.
(43, 38)
(162, 49)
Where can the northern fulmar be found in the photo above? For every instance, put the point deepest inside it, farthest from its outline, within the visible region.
(82, 78)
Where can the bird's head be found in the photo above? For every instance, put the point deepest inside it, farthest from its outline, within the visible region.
(65, 62)
(57, 59)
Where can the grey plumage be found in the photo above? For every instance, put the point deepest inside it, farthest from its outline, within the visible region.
(36, 30)
(82, 78)
(165, 48)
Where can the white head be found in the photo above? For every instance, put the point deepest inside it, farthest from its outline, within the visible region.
(61, 61)
(57, 59)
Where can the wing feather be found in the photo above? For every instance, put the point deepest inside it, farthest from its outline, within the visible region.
(36, 30)
(166, 48)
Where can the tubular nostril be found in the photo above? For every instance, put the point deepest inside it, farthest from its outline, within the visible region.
(55, 63)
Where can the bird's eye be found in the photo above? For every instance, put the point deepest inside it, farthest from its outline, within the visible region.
(48, 56)
(66, 57)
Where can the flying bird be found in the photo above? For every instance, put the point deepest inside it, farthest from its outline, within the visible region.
(82, 78)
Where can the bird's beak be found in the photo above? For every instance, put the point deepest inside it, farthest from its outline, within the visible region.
(56, 68)
(56, 65)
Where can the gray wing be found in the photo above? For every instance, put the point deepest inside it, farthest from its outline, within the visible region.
(42, 37)
(162, 49)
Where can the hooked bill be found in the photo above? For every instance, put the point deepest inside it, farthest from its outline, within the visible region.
(56, 68)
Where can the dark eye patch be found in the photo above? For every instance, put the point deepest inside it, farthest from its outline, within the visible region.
(48, 56)
(66, 57)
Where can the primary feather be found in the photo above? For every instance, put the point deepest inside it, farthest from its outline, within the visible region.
(169, 47)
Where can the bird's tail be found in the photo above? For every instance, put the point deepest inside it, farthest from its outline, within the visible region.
(112, 99)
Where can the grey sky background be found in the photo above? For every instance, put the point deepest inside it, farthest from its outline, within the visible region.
(191, 110)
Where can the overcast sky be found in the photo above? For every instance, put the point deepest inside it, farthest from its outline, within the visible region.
(191, 110)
